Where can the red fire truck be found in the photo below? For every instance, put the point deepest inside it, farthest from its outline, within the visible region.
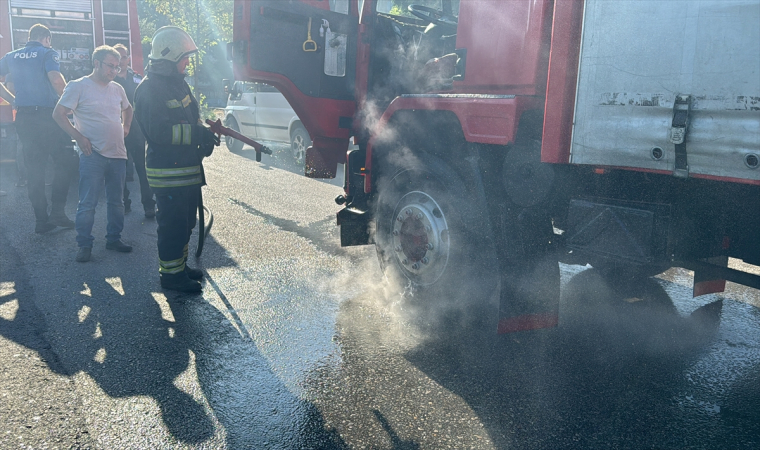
(497, 138)
(78, 26)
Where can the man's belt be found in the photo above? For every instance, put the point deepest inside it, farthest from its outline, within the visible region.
(33, 108)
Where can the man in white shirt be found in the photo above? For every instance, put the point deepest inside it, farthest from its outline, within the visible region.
(102, 117)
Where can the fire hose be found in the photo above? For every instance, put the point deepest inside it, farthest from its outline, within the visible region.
(219, 129)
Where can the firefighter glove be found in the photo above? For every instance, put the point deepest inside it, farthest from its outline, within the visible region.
(206, 140)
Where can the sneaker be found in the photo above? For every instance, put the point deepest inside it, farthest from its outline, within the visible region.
(42, 228)
(180, 282)
(61, 220)
(118, 246)
(193, 274)
(3, 193)
(21, 183)
(83, 255)
(150, 212)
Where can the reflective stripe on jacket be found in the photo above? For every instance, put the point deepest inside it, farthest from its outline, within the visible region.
(174, 177)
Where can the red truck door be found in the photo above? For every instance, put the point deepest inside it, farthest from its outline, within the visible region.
(307, 50)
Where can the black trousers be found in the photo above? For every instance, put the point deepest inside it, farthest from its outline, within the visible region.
(176, 220)
(42, 139)
(136, 153)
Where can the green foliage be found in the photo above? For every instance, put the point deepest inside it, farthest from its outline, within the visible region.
(209, 22)
(205, 111)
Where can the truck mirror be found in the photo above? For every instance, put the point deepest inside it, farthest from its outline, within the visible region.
(227, 84)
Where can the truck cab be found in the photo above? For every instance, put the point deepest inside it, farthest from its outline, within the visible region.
(498, 138)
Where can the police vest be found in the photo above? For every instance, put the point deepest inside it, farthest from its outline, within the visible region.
(28, 68)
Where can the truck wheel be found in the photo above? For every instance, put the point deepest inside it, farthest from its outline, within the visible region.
(299, 142)
(233, 145)
(435, 242)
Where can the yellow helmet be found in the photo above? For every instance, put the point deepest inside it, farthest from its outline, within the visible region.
(171, 44)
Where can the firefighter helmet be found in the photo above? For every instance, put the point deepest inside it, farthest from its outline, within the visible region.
(172, 44)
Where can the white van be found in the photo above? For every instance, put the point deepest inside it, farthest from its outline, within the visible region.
(261, 112)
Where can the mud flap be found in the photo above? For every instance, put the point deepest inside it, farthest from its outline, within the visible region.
(354, 227)
(707, 281)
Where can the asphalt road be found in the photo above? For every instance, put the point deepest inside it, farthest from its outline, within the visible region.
(295, 343)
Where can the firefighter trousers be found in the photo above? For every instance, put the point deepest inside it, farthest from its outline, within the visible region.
(176, 220)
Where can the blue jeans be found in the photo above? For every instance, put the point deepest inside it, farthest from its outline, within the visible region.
(95, 171)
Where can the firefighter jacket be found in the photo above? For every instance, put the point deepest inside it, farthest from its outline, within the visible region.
(169, 117)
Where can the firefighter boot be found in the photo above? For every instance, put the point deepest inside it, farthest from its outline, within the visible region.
(179, 282)
(193, 274)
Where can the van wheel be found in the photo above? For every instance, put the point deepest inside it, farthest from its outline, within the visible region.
(299, 142)
(233, 145)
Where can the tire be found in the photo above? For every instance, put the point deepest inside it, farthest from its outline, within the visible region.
(233, 145)
(435, 242)
(299, 142)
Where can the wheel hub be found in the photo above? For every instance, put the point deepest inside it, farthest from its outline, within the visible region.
(299, 147)
(420, 237)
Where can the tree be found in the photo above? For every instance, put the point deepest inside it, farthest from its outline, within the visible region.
(209, 22)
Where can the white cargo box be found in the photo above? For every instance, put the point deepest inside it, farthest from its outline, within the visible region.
(638, 56)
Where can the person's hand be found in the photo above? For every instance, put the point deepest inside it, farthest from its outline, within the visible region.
(207, 140)
(126, 130)
(84, 145)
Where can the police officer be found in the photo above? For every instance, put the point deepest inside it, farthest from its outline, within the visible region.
(135, 141)
(169, 117)
(38, 84)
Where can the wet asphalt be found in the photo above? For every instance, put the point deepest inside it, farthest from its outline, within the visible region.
(295, 343)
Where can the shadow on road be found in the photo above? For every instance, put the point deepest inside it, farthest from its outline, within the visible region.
(109, 319)
(613, 375)
(256, 409)
(248, 399)
(22, 322)
(396, 441)
(130, 347)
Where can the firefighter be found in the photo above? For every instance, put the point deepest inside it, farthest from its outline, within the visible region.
(169, 117)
